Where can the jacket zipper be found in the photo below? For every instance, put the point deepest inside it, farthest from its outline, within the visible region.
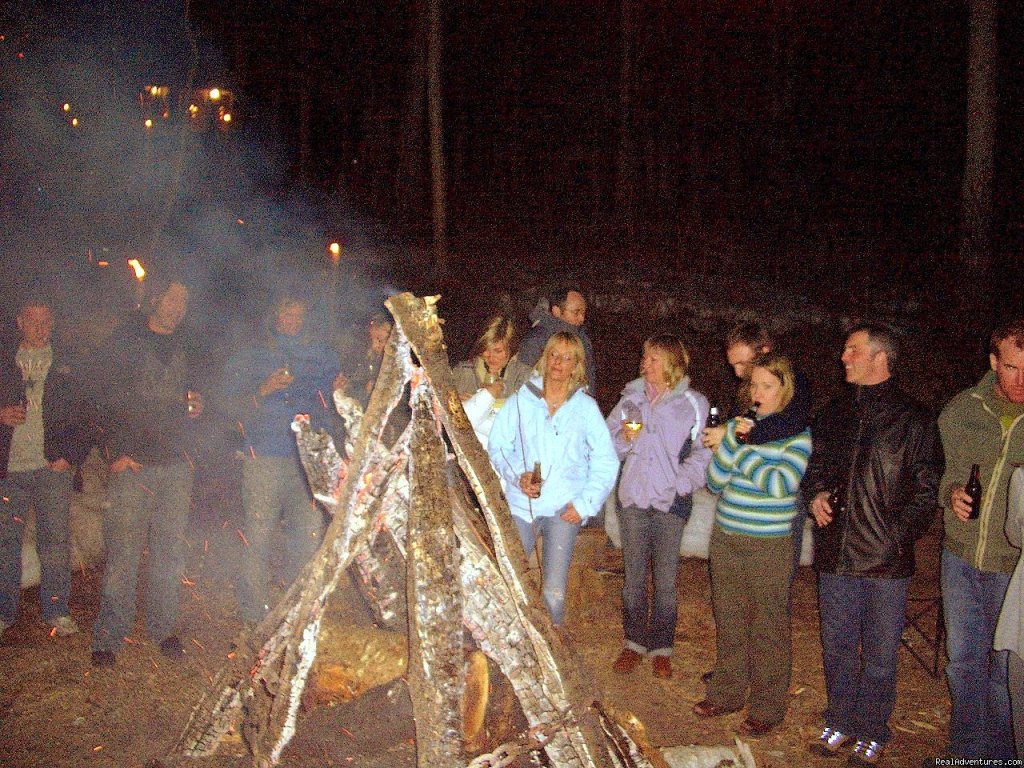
(989, 498)
(849, 487)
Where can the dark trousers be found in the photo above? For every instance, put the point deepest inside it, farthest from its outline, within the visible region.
(750, 595)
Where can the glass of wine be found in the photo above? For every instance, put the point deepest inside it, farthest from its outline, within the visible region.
(632, 422)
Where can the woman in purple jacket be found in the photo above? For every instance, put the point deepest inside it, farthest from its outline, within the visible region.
(656, 428)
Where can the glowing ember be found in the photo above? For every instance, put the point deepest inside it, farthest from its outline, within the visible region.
(135, 264)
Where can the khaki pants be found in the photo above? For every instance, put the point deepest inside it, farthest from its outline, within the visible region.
(749, 594)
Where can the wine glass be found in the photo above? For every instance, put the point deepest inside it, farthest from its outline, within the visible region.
(632, 422)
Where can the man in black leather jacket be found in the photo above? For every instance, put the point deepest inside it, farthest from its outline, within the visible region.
(878, 454)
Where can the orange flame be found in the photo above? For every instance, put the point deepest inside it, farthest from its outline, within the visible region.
(136, 265)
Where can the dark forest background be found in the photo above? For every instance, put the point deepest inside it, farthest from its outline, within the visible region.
(818, 145)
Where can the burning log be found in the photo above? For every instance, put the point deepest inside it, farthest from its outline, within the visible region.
(457, 559)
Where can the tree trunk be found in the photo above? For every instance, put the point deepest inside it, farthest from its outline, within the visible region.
(438, 175)
(305, 108)
(408, 184)
(625, 189)
(976, 194)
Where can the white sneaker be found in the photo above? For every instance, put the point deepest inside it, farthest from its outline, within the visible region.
(64, 625)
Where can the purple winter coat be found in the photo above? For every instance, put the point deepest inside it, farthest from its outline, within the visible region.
(652, 475)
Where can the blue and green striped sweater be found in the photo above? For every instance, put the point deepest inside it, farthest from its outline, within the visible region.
(758, 483)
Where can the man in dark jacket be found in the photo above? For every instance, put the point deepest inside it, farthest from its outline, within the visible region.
(146, 406)
(877, 454)
(563, 309)
(40, 439)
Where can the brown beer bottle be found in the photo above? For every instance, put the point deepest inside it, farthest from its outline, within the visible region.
(750, 415)
(973, 489)
(535, 476)
(714, 419)
(835, 501)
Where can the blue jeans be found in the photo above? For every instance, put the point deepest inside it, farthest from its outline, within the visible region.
(979, 724)
(148, 509)
(861, 625)
(49, 493)
(274, 489)
(559, 538)
(650, 540)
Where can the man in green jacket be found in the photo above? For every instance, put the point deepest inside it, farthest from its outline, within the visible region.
(982, 425)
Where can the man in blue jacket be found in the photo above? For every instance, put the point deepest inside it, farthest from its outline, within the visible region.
(264, 387)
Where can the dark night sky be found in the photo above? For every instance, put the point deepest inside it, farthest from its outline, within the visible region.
(801, 137)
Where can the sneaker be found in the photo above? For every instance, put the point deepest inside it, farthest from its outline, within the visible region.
(829, 743)
(103, 658)
(865, 753)
(171, 647)
(64, 626)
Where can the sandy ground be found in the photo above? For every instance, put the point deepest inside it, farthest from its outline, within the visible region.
(58, 711)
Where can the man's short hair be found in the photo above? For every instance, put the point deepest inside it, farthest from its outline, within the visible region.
(558, 294)
(157, 284)
(882, 337)
(381, 320)
(753, 334)
(1012, 329)
(33, 299)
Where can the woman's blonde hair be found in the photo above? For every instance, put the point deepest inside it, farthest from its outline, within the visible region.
(498, 329)
(571, 340)
(673, 352)
(779, 367)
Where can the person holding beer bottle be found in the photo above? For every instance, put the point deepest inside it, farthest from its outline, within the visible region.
(879, 451)
(982, 425)
(551, 420)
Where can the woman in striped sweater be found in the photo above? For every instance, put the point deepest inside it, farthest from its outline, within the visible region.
(751, 558)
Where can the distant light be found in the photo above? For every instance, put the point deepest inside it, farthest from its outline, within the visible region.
(240, 221)
(193, 110)
(66, 107)
(74, 122)
(154, 90)
(102, 263)
(21, 55)
(214, 94)
(226, 117)
(148, 123)
(335, 249)
(136, 266)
